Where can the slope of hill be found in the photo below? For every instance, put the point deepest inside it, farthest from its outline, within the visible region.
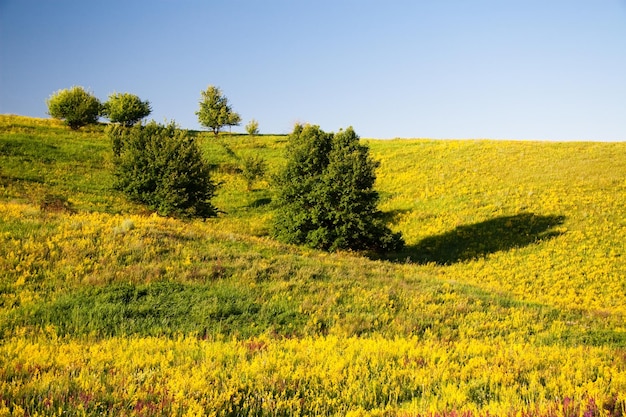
(510, 296)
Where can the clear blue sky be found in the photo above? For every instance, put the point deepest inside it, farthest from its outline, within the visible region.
(501, 69)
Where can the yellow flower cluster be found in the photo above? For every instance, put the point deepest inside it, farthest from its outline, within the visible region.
(438, 187)
(309, 376)
(68, 250)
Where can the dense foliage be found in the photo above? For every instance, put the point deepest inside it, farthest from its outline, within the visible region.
(162, 167)
(215, 112)
(76, 106)
(326, 197)
(126, 109)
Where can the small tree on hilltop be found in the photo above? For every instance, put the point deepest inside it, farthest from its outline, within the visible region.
(215, 113)
(75, 106)
(326, 197)
(252, 127)
(125, 108)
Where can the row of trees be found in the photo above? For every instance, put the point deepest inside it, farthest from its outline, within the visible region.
(325, 195)
(78, 107)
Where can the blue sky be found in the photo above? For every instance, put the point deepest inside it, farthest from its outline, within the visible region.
(505, 69)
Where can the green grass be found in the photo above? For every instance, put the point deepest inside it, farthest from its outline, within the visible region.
(40, 158)
(160, 309)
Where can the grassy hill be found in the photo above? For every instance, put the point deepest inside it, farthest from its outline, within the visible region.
(510, 296)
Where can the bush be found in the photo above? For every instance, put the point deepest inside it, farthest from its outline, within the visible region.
(162, 167)
(55, 203)
(252, 127)
(253, 168)
(75, 106)
(126, 109)
(326, 196)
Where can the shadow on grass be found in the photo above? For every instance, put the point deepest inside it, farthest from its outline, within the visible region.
(394, 216)
(260, 202)
(478, 240)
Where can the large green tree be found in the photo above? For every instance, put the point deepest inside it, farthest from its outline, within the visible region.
(125, 108)
(215, 112)
(76, 106)
(326, 196)
(162, 167)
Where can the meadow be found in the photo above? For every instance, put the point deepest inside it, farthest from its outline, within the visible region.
(509, 298)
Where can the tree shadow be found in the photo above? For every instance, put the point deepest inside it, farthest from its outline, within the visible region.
(260, 202)
(478, 240)
(393, 216)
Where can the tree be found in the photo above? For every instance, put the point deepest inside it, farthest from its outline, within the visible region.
(253, 168)
(125, 108)
(326, 197)
(215, 113)
(162, 167)
(252, 127)
(75, 106)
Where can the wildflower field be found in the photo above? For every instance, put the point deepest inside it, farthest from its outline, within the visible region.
(509, 298)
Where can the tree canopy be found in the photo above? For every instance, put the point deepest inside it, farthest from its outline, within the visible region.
(76, 106)
(326, 196)
(125, 108)
(162, 167)
(215, 112)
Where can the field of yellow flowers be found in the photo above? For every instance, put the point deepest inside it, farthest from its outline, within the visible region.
(509, 299)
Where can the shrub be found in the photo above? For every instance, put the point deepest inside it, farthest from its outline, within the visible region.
(162, 167)
(326, 196)
(55, 203)
(125, 108)
(75, 106)
(253, 168)
(252, 127)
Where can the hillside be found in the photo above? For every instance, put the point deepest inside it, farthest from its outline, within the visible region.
(509, 297)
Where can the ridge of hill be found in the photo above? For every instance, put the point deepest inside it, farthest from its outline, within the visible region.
(509, 297)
